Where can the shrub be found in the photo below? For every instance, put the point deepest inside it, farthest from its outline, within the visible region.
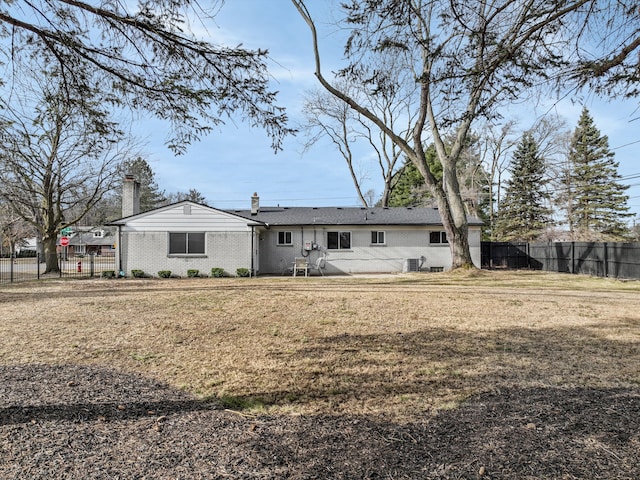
(191, 273)
(137, 273)
(243, 272)
(164, 273)
(217, 272)
(108, 274)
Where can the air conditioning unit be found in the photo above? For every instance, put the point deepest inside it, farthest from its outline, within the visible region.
(411, 265)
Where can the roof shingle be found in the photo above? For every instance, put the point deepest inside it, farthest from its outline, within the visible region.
(288, 216)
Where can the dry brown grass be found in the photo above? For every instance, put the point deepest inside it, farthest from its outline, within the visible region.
(395, 345)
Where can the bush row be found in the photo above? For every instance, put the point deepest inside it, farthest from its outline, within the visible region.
(216, 272)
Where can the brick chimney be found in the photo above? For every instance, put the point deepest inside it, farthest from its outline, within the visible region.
(255, 204)
(130, 196)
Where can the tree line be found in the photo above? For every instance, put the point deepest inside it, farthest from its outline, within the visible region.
(550, 184)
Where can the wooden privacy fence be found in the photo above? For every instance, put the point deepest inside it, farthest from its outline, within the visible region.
(603, 259)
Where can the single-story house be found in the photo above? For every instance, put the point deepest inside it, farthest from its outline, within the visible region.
(267, 240)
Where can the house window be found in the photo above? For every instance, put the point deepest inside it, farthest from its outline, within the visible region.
(438, 237)
(377, 238)
(186, 243)
(338, 240)
(284, 238)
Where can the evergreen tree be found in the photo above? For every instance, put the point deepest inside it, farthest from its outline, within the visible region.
(409, 189)
(150, 194)
(523, 214)
(193, 195)
(594, 200)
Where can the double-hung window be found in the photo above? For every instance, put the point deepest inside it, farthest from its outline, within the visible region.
(438, 237)
(338, 240)
(187, 243)
(284, 238)
(377, 238)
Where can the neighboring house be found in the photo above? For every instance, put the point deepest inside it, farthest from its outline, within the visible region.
(90, 241)
(187, 235)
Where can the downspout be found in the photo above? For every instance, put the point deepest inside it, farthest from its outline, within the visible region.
(120, 250)
(252, 243)
(302, 250)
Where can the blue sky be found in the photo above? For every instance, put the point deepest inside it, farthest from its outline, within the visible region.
(235, 160)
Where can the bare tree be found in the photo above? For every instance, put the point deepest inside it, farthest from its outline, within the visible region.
(13, 229)
(56, 159)
(467, 59)
(495, 146)
(328, 116)
(497, 142)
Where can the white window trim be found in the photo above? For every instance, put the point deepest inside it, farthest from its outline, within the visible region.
(290, 244)
(378, 243)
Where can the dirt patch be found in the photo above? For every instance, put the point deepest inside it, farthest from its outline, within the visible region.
(72, 422)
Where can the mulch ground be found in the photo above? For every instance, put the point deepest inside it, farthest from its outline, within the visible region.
(63, 422)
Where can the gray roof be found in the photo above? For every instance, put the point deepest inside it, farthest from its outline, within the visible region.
(291, 216)
(88, 238)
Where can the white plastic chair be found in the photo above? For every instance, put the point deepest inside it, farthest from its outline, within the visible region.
(319, 265)
(300, 264)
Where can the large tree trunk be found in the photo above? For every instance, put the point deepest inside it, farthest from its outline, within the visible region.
(50, 254)
(451, 209)
(456, 225)
(457, 230)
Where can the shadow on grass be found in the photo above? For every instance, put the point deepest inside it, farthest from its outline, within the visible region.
(537, 433)
(41, 393)
(511, 432)
(438, 368)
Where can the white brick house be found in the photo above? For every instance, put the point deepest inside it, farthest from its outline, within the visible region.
(188, 235)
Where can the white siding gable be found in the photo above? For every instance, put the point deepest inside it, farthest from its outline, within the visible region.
(186, 217)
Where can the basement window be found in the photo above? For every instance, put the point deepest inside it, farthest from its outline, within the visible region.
(188, 243)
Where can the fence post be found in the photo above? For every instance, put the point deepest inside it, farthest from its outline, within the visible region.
(573, 257)
(38, 265)
(60, 267)
(10, 267)
(606, 260)
(92, 256)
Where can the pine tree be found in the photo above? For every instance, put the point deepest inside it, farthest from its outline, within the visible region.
(523, 213)
(150, 194)
(595, 202)
(409, 189)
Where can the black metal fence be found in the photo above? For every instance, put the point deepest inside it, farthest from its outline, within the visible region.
(32, 268)
(603, 259)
